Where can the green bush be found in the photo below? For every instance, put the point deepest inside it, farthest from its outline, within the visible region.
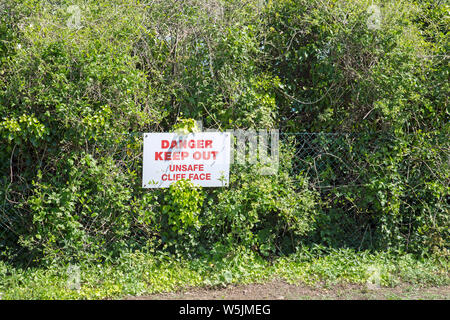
(386, 86)
(74, 99)
(180, 212)
(270, 214)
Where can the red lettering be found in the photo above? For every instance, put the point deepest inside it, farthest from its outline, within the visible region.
(201, 176)
(182, 144)
(164, 144)
(197, 155)
(185, 167)
(158, 155)
(173, 176)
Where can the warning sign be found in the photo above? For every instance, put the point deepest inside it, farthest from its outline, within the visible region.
(203, 158)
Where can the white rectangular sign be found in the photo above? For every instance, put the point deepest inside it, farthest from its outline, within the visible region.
(203, 158)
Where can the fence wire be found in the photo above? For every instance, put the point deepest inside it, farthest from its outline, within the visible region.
(325, 158)
(328, 160)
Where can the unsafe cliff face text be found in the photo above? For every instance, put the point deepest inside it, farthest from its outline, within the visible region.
(203, 158)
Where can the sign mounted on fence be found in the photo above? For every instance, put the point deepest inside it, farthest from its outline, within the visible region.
(203, 158)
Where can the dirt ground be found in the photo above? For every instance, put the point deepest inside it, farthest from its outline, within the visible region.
(280, 290)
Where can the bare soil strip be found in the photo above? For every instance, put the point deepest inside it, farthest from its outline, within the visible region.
(280, 290)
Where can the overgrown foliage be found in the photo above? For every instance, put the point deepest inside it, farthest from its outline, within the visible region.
(76, 93)
(141, 273)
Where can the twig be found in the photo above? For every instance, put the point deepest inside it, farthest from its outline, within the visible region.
(10, 162)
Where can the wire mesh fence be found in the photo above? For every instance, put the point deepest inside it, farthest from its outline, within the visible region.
(324, 157)
(330, 161)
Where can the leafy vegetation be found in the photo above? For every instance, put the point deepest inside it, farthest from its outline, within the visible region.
(140, 273)
(79, 82)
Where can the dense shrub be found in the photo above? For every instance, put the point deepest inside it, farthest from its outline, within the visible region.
(75, 96)
(270, 214)
(387, 86)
